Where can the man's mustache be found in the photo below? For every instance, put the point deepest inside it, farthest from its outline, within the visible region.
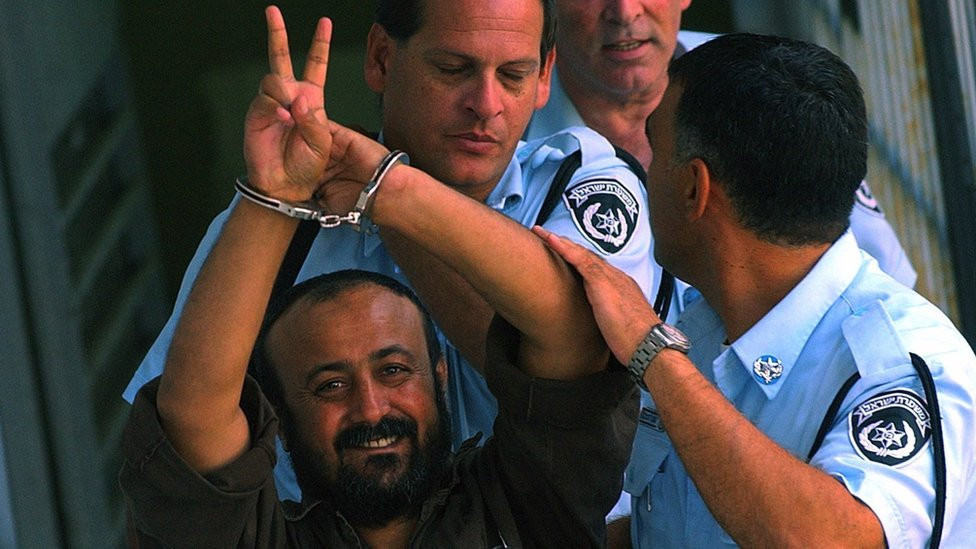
(359, 435)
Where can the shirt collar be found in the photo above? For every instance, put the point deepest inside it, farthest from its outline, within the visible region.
(800, 311)
(510, 190)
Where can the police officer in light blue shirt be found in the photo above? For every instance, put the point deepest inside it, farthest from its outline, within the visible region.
(821, 403)
(612, 66)
(457, 103)
(851, 320)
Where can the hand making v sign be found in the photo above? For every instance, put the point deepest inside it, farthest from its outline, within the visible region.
(291, 148)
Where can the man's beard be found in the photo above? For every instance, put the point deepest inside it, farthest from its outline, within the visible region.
(374, 497)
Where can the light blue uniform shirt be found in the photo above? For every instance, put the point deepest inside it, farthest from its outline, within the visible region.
(845, 316)
(876, 236)
(618, 229)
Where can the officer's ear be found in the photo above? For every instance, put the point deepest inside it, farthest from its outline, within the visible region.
(698, 187)
(545, 78)
(380, 48)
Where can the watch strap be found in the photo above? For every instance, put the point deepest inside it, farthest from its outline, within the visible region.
(661, 336)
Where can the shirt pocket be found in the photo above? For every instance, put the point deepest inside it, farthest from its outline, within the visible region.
(651, 446)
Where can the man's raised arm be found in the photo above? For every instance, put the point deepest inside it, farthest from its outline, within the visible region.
(200, 390)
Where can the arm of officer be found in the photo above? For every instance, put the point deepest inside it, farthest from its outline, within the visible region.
(528, 285)
(727, 457)
(286, 133)
(460, 311)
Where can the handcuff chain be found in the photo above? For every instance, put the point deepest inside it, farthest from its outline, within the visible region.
(329, 221)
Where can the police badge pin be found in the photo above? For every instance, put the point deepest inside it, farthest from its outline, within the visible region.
(604, 211)
(767, 368)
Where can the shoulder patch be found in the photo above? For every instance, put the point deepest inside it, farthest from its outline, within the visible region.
(890, 428)
(605, 212)
(866, 200)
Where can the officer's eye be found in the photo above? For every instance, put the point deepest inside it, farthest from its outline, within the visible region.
(451, 69)
(515, 76)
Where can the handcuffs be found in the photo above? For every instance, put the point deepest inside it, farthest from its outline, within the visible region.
(309, 210)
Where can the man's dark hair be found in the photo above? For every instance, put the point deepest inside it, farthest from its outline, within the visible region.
(403, 18)
(782, 126)
(320, 289)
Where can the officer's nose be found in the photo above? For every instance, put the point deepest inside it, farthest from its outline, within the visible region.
(485, 98)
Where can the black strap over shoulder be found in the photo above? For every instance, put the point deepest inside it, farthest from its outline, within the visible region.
(559, 181)
(938, 447)
(565, 172)
(662, 302)
(828, 418)
(632, 162)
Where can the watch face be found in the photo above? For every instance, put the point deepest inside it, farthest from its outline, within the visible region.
(674, 334)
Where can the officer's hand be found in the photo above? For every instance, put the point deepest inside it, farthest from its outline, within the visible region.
(621, 311)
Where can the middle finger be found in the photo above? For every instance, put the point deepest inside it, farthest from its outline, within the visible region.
(278, 56)
(317, 62)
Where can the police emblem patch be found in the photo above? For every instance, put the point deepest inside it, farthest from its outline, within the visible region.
(866, 199)
(890, 428)
(604, 211)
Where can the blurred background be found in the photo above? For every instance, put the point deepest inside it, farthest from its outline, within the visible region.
(120, 137)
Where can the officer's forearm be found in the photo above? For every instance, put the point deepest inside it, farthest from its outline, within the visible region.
(512, 269)
(460, 311)
(760, 494)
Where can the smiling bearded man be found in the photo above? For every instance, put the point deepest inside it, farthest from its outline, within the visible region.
(385, 485)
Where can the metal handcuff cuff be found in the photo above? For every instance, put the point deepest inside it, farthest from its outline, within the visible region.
(309, 209)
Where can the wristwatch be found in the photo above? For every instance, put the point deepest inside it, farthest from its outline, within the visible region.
(661, 336)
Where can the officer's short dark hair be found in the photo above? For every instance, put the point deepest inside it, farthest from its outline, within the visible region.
(320, 289)
(403, 18)
(781, 124)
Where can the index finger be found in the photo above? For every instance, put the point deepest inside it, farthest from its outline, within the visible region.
(279, 58)
(317, 62)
